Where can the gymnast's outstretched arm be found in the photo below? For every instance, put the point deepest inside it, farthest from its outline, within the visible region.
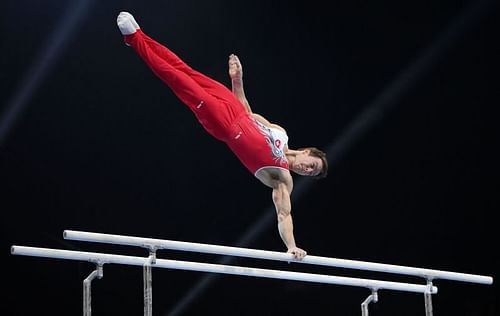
(236, 74)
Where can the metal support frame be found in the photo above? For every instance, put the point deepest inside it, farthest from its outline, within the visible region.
(371, 298)
(148, 282)
(87, 285)
(428, 298)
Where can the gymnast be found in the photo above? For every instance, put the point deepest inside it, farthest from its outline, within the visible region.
(262, 147)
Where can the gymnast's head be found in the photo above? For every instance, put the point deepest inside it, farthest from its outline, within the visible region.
(310, 161)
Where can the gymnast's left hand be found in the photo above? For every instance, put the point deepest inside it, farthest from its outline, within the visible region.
(235, 68)
(297, 253)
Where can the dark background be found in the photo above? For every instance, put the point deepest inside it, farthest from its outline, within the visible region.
(100, 144)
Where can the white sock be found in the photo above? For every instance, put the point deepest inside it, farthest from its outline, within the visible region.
(126, 23)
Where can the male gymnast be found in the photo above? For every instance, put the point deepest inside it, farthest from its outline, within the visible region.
(262, 147)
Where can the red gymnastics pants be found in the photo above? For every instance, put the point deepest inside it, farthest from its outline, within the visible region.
(213, 104)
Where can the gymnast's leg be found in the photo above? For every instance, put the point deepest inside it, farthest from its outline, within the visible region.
(211, 112)
(210, 85)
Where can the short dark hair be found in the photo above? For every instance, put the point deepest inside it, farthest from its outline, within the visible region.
(315, 152)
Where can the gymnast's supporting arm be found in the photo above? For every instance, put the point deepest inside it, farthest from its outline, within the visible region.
(236, 74)
(281, 199)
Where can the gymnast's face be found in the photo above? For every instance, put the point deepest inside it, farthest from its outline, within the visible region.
(306, 165)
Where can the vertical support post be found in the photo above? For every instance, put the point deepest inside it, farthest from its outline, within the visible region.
(148, 282)
(371, 298)
(87, 283)
(428, 298)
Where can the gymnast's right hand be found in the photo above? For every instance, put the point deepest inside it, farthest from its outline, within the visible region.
(235, 68)
(298, 253)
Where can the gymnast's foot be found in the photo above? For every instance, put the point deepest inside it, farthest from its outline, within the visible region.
(126, 23)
